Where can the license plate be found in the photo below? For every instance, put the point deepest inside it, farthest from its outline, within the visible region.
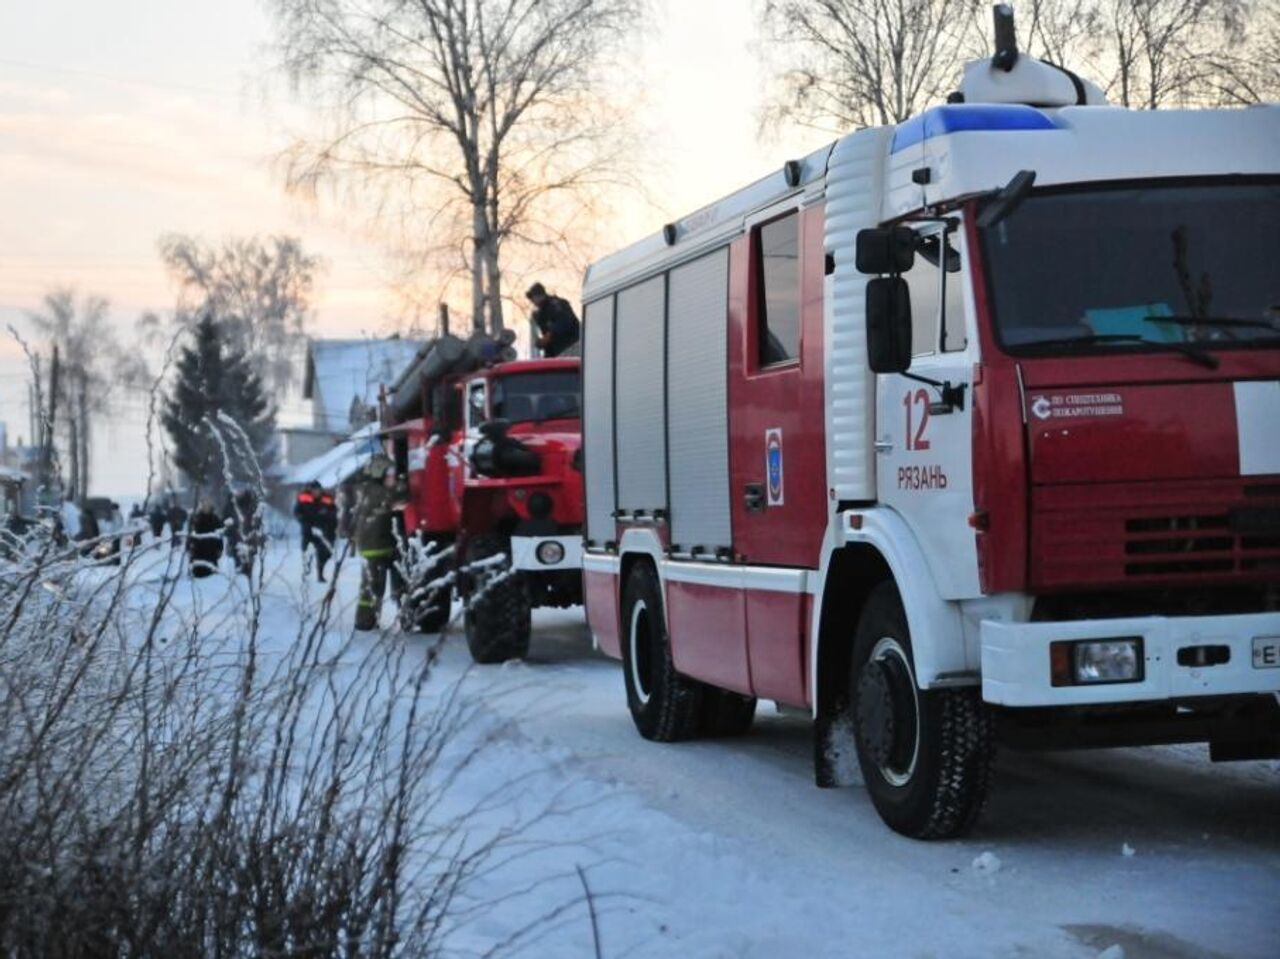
(1266, 652)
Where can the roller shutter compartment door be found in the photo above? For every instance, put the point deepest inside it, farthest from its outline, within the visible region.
(597, 419)
(698, 430)
(640, 413)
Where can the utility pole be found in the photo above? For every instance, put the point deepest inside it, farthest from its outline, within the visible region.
(46, 436)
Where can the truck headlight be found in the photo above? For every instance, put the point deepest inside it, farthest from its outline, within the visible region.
(1096, 661)
(549, 553)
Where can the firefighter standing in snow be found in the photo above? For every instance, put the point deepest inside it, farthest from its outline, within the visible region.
(244, 529)
(317, 515)
(558, 326)
(204, 541)
(326, 530)
(380, 495)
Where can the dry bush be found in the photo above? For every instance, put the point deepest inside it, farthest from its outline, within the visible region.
(184, 771)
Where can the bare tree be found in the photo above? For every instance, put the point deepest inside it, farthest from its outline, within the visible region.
(488, 113)
(1149, 54)
(258, 288)
(878, 62)
(867, 63)
(1065, 32)
(90, 364)
(1242, 63)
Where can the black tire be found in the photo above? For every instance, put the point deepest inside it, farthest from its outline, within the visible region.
(726, 713)
(665, 706)
(497, 616)
(925, 755)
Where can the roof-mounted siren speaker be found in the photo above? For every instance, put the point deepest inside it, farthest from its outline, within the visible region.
(1013, 77)
(669, 234)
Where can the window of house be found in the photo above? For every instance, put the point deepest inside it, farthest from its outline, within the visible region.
(778, 270)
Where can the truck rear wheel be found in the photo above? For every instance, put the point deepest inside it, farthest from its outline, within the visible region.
(497, 604)
(665, 706)
(925, 755)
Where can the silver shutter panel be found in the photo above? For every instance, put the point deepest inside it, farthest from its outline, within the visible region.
(698, 443)
(642, 461)
(597, 418)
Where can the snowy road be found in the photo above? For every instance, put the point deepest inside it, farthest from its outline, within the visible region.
(726, 849)
(738, 854)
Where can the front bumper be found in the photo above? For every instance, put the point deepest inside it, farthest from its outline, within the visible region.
(524, 553)
(1016, 665)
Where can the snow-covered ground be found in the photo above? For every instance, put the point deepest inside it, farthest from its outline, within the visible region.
(726, 849)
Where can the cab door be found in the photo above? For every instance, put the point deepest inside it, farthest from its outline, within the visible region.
(923, 444)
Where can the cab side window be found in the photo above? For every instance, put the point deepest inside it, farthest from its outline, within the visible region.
(935, 279)
(777, 270)
(476, 405)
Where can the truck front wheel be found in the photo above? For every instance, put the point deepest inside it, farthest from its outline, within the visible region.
(665, 706)
(925, 754)
(497, 604)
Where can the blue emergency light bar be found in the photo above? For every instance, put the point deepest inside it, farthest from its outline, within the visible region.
(969, 118)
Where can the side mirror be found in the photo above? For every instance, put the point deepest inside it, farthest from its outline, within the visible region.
(888, 325)
(889, 250)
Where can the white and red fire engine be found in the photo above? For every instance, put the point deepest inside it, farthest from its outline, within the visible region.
(961, 429)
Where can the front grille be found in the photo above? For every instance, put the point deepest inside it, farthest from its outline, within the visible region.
(1146, 534)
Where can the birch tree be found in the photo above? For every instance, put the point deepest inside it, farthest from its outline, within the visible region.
(483, 113)
(90, 363)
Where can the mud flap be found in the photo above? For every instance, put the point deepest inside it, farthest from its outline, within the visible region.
(835, 751)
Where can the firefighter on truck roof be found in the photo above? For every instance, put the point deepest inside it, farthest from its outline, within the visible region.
(558, 326)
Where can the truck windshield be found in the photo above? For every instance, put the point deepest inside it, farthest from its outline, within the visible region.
(1188, 267)
(553, 394)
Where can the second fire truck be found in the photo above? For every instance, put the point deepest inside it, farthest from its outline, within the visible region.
(491, 449)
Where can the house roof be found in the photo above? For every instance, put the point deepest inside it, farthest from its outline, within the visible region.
(333, 466)
(340, 371)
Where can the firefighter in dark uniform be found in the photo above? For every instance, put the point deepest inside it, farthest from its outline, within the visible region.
(306, 510)
(558, 326)
(325, 533)
(381, 494)
(204, 541)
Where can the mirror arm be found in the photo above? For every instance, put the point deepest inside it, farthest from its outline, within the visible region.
(950, 395)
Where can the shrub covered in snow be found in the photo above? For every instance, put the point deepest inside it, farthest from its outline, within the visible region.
(176, 781)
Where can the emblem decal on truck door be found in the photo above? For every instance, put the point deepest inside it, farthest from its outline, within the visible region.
(773, 464)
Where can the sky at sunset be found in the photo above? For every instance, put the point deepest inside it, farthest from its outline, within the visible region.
(123, 121)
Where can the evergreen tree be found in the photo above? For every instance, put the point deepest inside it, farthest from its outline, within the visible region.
(214, 380)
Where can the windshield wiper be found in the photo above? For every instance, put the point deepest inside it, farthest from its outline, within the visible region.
(1224, 321)
(1207, 360)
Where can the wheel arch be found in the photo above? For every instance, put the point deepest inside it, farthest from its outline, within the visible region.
(852, 573)
(875, 547)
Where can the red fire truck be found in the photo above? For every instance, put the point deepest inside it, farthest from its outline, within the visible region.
(491, 448)
(961, 429)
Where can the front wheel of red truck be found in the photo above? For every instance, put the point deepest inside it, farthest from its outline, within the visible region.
(497, 614)
(925, 754)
